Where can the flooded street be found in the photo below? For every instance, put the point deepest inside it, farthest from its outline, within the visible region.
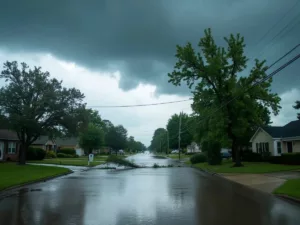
(176, 196)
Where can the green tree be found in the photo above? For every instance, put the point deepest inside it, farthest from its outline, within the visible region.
(297, 106)
(116, 137)
(33, 104)
(159, 140)
(173, 129)
(92, 138)
(212, 74)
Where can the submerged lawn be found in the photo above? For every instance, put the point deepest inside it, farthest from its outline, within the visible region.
(12, 174)
(249, 167)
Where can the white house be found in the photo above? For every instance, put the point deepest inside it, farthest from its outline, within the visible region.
(277, 140)
(193, 148)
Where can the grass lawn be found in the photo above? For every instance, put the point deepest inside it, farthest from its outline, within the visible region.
(249, 167)
(290, 188)
(12, 174)
(70, 161)
(182, 156)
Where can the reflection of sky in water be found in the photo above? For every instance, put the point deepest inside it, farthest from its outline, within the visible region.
(140, 194)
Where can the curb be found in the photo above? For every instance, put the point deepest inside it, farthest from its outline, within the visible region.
(2, 192)
(288, 198)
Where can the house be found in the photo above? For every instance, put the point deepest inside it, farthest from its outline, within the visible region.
(58, 143)
(277, 140)
(9, 145)
(193, 148)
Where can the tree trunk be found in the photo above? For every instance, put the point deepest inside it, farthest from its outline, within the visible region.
(22, 154)
(237, 154)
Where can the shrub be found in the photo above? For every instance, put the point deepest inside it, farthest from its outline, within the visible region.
(35, 153)
(275, 160)
(249, 156)
(198, 158)
(69, 151)
(63, 155)
(50, 154)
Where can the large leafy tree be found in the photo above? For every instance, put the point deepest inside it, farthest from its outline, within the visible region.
(159, 140)
(229, 104)
(116, 137)
(92, 138)
(32, 104)
(297, 106)
(173, 129)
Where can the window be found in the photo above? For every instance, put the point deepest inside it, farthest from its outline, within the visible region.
(11, 147)
(266, 147)
(257, 147)
(279, 147)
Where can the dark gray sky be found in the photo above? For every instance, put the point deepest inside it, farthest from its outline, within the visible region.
(138, 37)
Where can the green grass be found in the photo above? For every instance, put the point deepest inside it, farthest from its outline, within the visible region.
(12, 174)
(289, 188)
(249, 167)
(182, 156)
(70, 161)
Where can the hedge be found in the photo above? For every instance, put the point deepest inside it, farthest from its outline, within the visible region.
(68, 151)
(50, 154)
(63, 155)
(286, 158)
(35, 153)
(198, 158)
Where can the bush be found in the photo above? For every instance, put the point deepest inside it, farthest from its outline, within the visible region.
(63, 155)
(35, 153)
(50, 154)
(249, 156)
(68, 151)
(286, 158)
(198, 158)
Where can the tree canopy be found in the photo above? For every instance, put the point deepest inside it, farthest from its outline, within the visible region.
(173, 129)
(159, 140)
(228, 104)
(32, 103)
(92, 138)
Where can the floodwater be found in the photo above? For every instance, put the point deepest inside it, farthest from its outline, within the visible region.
(176, 196)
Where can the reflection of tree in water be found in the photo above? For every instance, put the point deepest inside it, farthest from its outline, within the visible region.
(64, 206)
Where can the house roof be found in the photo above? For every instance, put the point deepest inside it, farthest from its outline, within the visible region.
(292, 129)
(275, 132)
(8, 135)
(42, 140)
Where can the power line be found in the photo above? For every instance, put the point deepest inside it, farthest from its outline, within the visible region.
(139, 105)
(277, 22)
(255, 84)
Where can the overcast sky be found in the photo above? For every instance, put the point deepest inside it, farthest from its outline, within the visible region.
(119, 52)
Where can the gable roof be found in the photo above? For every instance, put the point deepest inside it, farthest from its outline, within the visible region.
(292, 129)
(275, 132)
(8, 135)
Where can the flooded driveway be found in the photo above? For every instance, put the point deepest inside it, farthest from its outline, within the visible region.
(144, 196)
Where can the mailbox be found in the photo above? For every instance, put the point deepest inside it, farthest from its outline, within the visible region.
(91, 157)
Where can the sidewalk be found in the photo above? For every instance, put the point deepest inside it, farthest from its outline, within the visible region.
(258, 181)
(267, 182)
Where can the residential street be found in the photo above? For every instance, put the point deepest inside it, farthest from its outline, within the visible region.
(144, 196)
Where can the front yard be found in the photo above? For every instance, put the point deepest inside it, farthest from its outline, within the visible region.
(12, 174)
(290, 188)
(249, 167)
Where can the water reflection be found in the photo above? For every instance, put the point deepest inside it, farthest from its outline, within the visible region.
(144, 196)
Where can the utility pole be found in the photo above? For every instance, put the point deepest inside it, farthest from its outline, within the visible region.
(167, 152)
(179, 132)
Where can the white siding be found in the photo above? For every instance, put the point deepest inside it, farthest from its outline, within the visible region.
(263, 137)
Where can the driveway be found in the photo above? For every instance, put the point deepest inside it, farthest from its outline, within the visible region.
(142, 197)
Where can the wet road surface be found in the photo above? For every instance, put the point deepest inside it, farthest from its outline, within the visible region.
(144, 196)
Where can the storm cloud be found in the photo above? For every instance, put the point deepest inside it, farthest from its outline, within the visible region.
(138, 37)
